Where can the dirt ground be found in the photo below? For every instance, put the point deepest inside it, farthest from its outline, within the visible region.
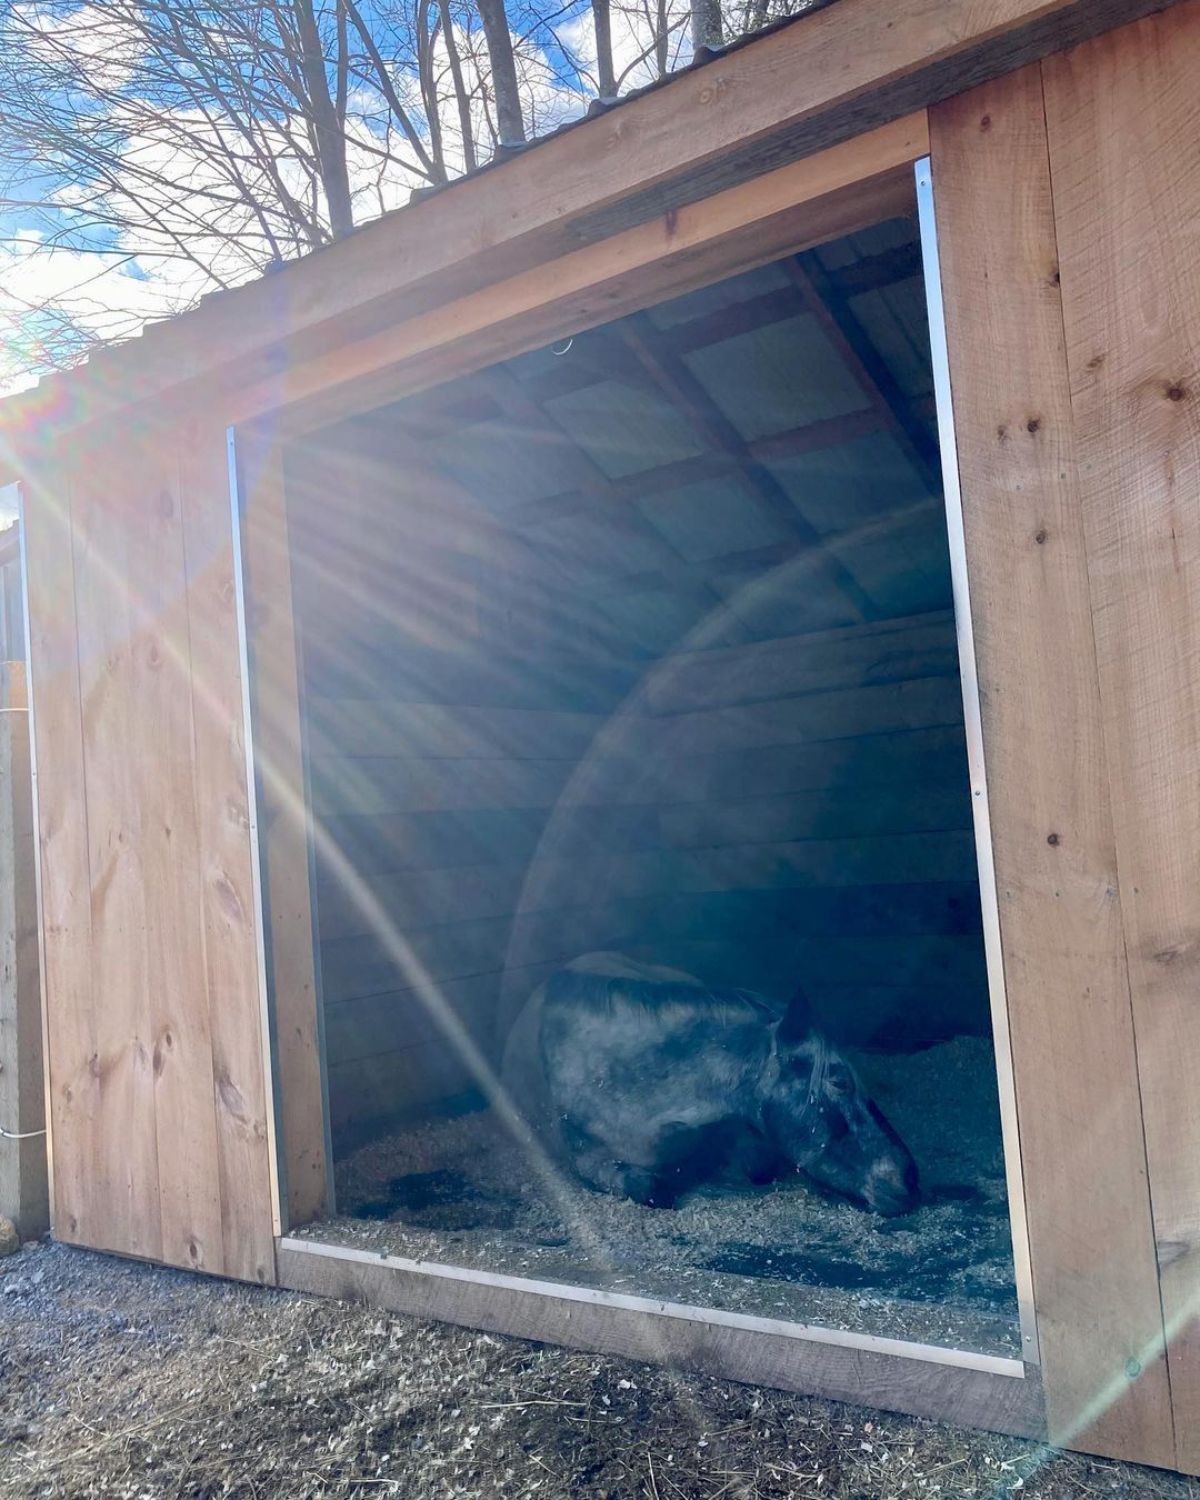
(461, 1192)
(119, 1380)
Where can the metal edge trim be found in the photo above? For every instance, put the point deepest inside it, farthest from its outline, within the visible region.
(30, 696)
(266, 1008)
(973, 716)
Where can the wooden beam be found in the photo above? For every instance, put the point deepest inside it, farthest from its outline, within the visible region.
(73, 1085)
(837, 321)
(977, 1390)
(1095, 1275)
(833, 74)
(686, 392)
(284, 830)
(843, 189)
(1124, 117)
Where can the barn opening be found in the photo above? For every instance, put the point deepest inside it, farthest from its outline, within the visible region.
(644, 642)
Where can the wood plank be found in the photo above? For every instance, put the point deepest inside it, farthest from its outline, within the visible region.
(381, 726)
(837, 714)
(1091, 1238)
(893, 651)
(864, 1371)
(1124, 119)
(373, 1095)
(283, 828)
(122, 1148)
(78, 1210)
(24, 1195)
(402, 784)
(157, 820)
(236, 1006)
(834, 813)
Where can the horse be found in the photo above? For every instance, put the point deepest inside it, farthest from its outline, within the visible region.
(647, 1083)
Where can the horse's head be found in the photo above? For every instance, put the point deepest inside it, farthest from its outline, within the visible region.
(819, 1115)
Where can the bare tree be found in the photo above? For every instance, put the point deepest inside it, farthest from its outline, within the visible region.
(180, 146)
(510, 120)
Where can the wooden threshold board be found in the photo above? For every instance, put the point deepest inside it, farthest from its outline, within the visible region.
(949, 1385)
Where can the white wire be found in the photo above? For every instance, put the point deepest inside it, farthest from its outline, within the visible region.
(27, 1135)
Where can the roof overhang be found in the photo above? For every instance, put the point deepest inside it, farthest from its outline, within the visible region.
(831, 75)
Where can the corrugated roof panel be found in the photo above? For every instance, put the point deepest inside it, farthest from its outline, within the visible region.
(595, 545)
(781, 376)
(895, 320)
(659, 620)
(835, 489)
(711, 519)
(901, 560)
(875, 240)
(711, 299)
(624, 429)
(501, 467)
(790, 599)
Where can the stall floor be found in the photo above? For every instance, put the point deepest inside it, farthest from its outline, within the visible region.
(460, 1192)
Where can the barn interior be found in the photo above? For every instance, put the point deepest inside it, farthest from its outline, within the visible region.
(645, 642)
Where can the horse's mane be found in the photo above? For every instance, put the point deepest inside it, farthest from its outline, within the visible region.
(606, 991)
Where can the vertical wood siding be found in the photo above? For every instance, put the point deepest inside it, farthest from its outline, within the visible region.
(157, 1086)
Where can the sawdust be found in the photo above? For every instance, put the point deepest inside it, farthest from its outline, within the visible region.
(460, 1192)
(121, 1381)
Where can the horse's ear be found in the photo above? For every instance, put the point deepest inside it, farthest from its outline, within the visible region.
(795, 1024)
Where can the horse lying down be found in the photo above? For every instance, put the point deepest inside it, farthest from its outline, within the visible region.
(646, 1084)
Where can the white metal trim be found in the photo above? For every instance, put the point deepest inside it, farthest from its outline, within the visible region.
(266, 1009)
(37, 847)
(973, 717)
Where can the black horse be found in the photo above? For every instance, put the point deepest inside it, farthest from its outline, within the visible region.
(647, 1083)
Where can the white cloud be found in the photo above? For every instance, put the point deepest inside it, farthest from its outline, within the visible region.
(185, 225)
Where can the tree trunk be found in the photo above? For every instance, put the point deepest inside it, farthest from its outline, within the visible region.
(466, 129)
(706, 24)
(327, 128)
(509, 122)
(606, 81)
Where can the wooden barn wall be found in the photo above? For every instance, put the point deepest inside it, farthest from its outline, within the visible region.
(157, 1086)
(1068, 200)
(498, 786)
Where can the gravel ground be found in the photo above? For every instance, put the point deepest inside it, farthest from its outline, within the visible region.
(458, 1192)
(120, 1380)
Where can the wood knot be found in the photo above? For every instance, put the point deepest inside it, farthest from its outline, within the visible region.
(1040, 535)
(1056, 277)
(1033, 425)
(1176, 393)
(230, 901)
(1173, 953)
(1096, 361)
(1053, 840)
(985, 123)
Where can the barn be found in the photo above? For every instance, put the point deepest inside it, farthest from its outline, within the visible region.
(752, 531)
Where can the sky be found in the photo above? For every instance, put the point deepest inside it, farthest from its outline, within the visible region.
(112, 280)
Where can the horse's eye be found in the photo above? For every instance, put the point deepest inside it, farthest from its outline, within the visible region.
(840, 1084)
